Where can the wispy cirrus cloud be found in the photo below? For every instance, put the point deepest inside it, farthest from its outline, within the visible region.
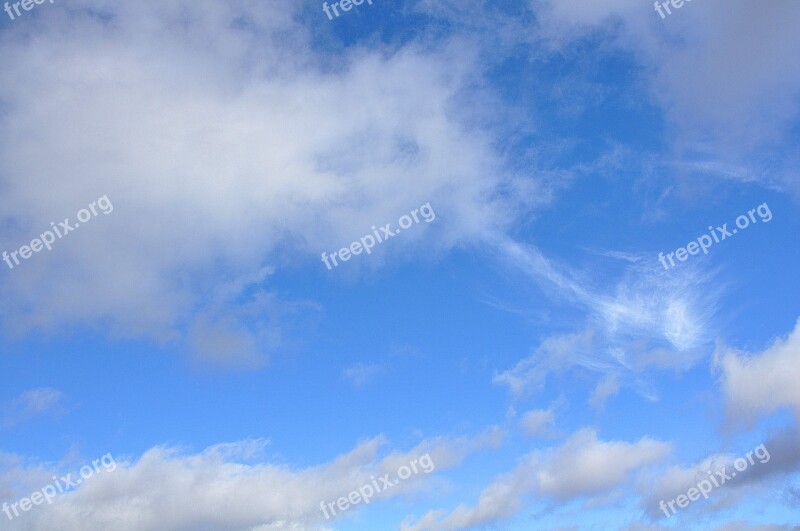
(647, 320)
(33, 403)
(362, 373)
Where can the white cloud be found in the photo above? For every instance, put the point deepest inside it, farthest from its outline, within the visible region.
(225, 142)
(650, 319)
(779, 457)
(222, 488)
(32, 403)
(538, 423)
(606, 388)
(583, 466)
(762, 382)
(719, 74)
(555, 354)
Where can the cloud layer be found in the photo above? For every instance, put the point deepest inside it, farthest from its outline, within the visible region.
(226, 143)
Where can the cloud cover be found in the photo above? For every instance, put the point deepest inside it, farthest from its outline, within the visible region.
(227, 143)
(583, 466)
(227, 487)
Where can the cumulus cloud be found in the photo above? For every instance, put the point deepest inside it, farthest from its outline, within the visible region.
(719, 74)
(225, 487)
(779, 457)
(763, 382)
(227, 142)
(584, 466)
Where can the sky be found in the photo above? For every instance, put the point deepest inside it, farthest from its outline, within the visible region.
(411, 265)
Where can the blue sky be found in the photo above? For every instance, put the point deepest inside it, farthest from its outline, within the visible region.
(526, 339)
